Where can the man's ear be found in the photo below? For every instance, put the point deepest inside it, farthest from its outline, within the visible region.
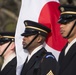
(12, 45)
(39, 38)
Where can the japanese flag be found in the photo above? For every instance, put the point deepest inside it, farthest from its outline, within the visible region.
(45, 12)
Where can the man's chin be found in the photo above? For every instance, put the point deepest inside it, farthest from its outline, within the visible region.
(65, 37)
(24, 48)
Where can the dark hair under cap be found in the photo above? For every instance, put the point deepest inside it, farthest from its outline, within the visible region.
(6, 37)
(68, 13)
(32, 28)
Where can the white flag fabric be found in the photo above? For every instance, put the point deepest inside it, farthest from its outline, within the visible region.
(45, 12)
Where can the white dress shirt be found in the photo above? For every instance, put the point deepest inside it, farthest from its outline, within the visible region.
(34, 51)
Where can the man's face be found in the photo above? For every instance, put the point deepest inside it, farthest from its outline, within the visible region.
(27, 40)
(65, 29)
(2, 47)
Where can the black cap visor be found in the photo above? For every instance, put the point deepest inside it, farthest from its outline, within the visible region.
(4, 40)
(29, 32)
(64, 19)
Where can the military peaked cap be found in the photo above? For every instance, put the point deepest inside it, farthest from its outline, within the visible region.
(68, 13)
(6, 37)
(32, 28)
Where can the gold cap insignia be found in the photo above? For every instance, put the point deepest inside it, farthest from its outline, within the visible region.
(62, 9)
(26, 23)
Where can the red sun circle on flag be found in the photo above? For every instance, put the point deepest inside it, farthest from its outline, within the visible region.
(49, 16)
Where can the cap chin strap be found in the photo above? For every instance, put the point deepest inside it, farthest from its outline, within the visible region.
(6, 48)
(71, 30)
(31, 41)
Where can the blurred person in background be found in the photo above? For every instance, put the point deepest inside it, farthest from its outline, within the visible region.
(7, 53)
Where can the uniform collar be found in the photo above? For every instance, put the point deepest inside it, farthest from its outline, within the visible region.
(69, 45)
(7, 60)
(34, 51)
